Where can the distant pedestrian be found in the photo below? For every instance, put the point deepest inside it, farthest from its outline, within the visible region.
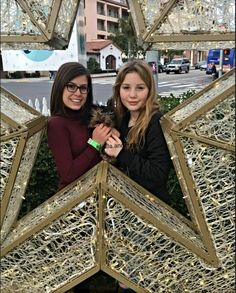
(213, 71)
(52, 74)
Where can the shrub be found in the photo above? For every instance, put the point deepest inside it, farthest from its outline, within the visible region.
(177, 202)
(93, 66)
(170, 102)
(43, 182)
(16, 74)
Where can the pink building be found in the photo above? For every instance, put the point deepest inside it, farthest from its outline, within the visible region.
(101, 17)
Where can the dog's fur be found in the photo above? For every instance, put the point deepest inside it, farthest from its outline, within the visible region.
(101, 114)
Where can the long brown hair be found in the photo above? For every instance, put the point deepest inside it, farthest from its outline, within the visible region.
(136, 136)
(65, 74)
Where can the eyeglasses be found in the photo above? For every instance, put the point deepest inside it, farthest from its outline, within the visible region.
(72, 87)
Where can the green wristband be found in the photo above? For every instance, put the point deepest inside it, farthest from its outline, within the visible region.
(94, 144)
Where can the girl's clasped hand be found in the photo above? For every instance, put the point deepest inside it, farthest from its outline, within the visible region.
(113, 145)
(101, 133)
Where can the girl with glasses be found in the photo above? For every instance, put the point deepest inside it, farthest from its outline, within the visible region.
(74, 147)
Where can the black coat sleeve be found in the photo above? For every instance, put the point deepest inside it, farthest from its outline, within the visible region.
(150, 166)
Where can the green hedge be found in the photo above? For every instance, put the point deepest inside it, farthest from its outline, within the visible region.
(43, 181)
(177, 202)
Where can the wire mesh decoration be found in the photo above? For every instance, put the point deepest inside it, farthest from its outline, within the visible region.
(37, 24)
(105, 221)
(172, 24)
(21, 132)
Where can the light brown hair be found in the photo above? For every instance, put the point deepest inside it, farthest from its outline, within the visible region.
(136, 136)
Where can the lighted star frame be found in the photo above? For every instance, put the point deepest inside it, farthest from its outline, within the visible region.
(105, 221)
(184, 24)
(37, 24)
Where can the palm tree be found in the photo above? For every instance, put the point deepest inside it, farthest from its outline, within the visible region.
(125, 37)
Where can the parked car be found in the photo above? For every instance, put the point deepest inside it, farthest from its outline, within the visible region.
(178, 65)
(160, 67)
(164, 66)
(198, 64)
(203, 66)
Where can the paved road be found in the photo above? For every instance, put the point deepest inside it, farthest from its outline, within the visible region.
(102, 86)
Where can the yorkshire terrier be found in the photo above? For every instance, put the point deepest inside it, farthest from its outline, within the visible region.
(101, 114)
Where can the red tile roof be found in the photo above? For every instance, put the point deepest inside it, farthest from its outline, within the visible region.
(96, 46)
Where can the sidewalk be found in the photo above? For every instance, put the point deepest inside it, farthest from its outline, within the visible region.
(99, 75)
(46, 78)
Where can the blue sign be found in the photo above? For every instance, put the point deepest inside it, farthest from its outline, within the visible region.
(38, 55)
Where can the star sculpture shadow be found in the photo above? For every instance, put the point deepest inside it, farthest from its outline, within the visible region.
(105, 221)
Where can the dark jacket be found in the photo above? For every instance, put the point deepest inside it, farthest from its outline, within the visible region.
(150, 166)
(213, 69)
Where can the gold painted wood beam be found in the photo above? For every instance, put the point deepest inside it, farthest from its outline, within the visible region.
(14, 130)
(205, 108)
(45, 31)
(165, 229)
(22, 139)
(24, 5)
(159, 20)
(197, 209)
(190, 37)
(53, 18)
(137, 16)
(198, 94)
(24, 39)
(47, 220)
(78, 280)
(224, 146)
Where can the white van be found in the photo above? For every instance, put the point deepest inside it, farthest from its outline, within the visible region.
(178, 65)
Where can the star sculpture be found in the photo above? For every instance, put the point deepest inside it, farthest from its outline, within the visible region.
(174, 24)
(105, 221)
(37, 24)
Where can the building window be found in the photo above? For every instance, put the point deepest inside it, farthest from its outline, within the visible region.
(101, 25)
(125, 13)
(100, 37)
(113, 11)
(112, 27)
(100, 9)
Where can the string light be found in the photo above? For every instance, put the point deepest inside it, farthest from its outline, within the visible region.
(143, 252)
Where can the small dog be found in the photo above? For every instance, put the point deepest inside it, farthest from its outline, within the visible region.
(101, 114)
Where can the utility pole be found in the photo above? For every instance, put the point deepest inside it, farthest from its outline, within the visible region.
(221, 63)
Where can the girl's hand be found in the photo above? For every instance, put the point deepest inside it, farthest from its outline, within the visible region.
(101, 133)
(115, 132)
(113, 146)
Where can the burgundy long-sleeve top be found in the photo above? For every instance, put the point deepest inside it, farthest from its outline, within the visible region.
(67, 139)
